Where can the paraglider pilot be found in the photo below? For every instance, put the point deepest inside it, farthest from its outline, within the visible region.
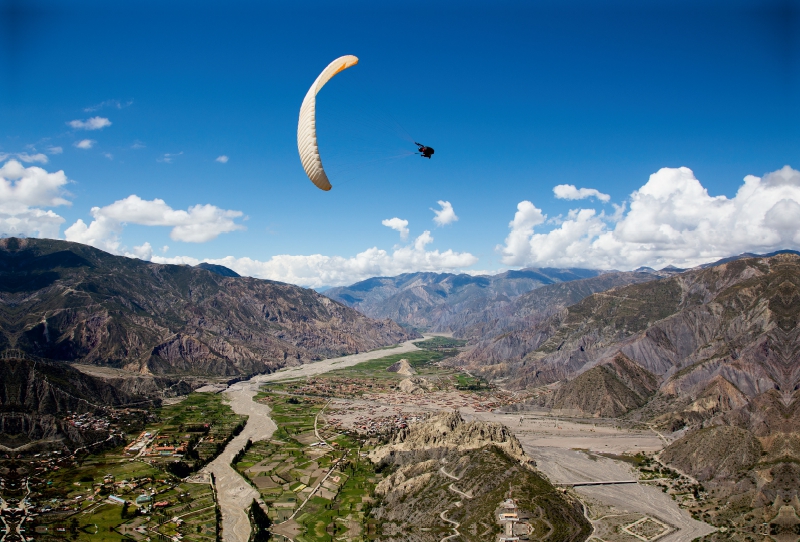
(426, 152)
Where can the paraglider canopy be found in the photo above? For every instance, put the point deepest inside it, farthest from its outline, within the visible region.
(307, 124)
(425, 152)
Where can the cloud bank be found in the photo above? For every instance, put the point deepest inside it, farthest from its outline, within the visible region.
(670, 220)
(22, 190)
(317, 270)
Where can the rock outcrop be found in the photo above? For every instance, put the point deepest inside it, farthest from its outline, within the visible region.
(446, 467)
(449, 431)
(416, 385)
(401, 367)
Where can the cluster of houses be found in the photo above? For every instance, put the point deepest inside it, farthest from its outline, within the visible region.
(339, 387)
(147, 444)
(377, 425)
(88, 421)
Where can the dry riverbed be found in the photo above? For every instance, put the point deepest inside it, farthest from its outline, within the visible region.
(234, 493)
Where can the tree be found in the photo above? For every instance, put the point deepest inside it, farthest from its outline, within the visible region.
(261, 522)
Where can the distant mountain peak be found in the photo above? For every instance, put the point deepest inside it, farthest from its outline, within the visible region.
(218, 269)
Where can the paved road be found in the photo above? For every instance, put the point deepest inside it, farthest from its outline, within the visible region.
(233, 492)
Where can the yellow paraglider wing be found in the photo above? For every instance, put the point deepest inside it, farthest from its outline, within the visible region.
(307, 124)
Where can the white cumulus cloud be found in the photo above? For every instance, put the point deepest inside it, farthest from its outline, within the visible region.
(94, 123)
(198, 224)
(568, 191)
(55, 150)
(85, 144)
(222, 159)
(445, 215)
(143, 251)
(22, 191)
(318, 270)
(397, 224)
(25, 157)
(670, 220)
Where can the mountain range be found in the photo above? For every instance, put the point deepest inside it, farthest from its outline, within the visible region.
(712, 353)
(71, 302)
(445, 301)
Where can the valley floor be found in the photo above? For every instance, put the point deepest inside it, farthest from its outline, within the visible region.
(566, 450)
(234, 493)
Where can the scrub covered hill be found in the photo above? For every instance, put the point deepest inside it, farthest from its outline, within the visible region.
(71, 302)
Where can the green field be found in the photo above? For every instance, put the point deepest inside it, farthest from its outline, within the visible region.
(422, 361)
(203, 420)
(286, 468)
(468, 382)
(76, 495)
(441, 342)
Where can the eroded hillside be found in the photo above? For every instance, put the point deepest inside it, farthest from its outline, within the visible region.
(71, 302)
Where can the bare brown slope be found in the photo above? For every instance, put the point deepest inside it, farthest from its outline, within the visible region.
(737, 320)
(609, 390)
(719, 451)
(71, 302)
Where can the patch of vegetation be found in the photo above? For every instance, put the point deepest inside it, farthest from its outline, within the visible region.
(80, 489)
(470, 383)
(332, 478)
(435, 343)
(419, 360)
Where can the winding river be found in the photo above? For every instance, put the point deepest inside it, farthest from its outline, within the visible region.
(234, 493)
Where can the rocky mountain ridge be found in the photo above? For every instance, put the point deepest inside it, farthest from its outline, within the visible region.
(713, 352)
(736, 320)
(507, 331)
(71, 302)
(440, 301)
(37, 394)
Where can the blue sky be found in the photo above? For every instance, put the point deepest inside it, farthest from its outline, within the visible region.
(516, 97)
